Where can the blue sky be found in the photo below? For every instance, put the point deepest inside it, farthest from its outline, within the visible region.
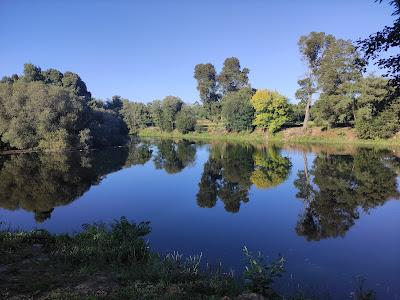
(145, 50)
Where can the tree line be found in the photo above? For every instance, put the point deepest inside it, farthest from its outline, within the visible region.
(54, 110)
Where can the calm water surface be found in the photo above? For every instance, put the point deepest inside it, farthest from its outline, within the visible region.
(332, 213)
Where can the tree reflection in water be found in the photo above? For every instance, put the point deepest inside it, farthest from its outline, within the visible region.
(39, 182)
(339, 187)
(232, 169)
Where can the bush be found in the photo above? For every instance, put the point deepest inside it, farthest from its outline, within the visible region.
(186, 120)
(237, 110)
(383, 125)
(272, 110)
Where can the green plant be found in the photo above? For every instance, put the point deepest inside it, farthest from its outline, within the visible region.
(258, 275)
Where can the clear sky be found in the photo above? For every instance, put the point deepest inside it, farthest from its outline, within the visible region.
(145, 50)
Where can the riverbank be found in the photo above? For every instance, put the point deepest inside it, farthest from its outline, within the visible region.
(115, 262)
(337, 136)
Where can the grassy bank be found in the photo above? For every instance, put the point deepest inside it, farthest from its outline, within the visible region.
(289, 136)
(115, 262)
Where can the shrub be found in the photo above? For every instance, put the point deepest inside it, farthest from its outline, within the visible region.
(383, 125)
(272, 110)
(237, 110)
(186, 120)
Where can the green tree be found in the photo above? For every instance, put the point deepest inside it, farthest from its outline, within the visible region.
(378, 115)
(271, 109)
(52, 76)
(115, 104)
(382, 41)
(73, 81)
(32, 73)
(155, 109)
(49, 110)
(171, 105)
(136, 116)
(237, 111)
(206, 77)
(186, 119)
(339, 73)
(232, 78)
(311, 48)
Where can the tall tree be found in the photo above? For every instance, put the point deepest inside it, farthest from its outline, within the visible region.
(206, 77)
(312, 48)
(232, 78)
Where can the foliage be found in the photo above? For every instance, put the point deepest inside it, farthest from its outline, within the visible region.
(136, 116)
(115, 104)
(237, 111)
(206, 77)
(271, 108)
(51, 110)
(171, 105)
(377, 116)
(186, 119)
(382, 41)
(259, 276)
(121, 243)
(232, 78)
(120, 265)
(383, 125)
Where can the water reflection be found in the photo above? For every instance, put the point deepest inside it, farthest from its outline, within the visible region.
(173, 156)
(335, 189)
(232, 169)
(338, 187)
(39, 182)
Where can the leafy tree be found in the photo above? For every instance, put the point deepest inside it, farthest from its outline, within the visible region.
(155, 109)
(312, 48)
(136, 116)
(186, 119)
(271, 108)
(115, 104)
(382, 41)
(171, 105)
(32, 73)
(232, 78)
(378, 116)
(73, 81)
(334, 67)
(33, 112)
(52, 76)
(237, 111)
(206, 77)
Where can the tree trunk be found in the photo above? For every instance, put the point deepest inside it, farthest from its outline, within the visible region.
(307, 115)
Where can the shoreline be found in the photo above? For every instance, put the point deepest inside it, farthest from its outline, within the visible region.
(257, 137)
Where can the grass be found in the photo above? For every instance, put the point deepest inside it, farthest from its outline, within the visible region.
(335, 138)
(115, 262)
